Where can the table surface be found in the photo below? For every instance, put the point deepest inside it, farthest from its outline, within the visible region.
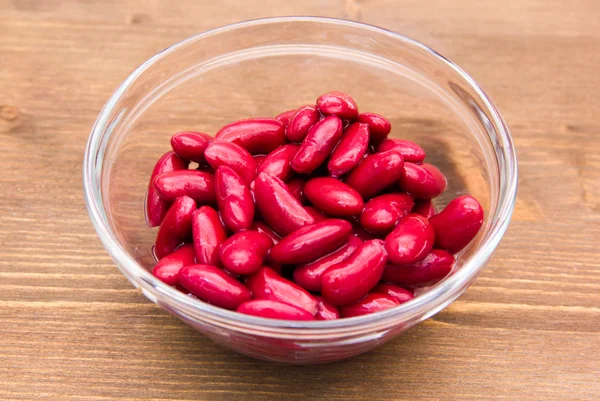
(72, 327)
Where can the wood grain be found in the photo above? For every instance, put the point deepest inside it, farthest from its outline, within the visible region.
(71, 326)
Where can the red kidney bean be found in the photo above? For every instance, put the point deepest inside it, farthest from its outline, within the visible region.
(339, 104)
(197, 185)
(427, 272)
(176, 226)
(333, 197)
(213, 285)
(234, 199)
(379, 127)
(400, 294)
(278, 162)
(273, 310)
(411, 240)
(234, 156)
(311, 242)
(286, 116)
(350, 151)
(410, 151)
(457, 224)
(208, 233)
(156, 207)
(265, 229)
(348, 281)
(326, 311)
(167, 269)
(308, 276)
(376, 172)
(259, 159)
(245, 252)
(301, 122)
(256, 135)
(318, 145)
(423, 181)
(372, 303)
(382, 213)
(315, 213)
(267, 284)
(278, 207)
(425, 208)
(296, 187)
(190, 145)
(360, 232)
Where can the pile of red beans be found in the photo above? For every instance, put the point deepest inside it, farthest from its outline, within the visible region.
(314, 214)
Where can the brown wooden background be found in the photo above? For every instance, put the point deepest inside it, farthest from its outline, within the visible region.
(72, 327)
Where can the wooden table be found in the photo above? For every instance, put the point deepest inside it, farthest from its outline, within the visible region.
(72, 327)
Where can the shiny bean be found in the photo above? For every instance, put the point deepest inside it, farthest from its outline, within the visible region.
(191, 145)
(198, 185)
(286, 116)
(422, 181)
(350, 280)
(296, 187)
(234, 156)
(400, 294)
(156, 207)
(411, 240)
(311, 242)
(379, 126)
(457, 224)
(351, 149)
(383, 212)
(176, 226)
(428, 271)
(318, 145)
(326, 311)
(372, 303)
(208, 233)
(308, 276)
(265, 229)
(267, 284)
(234, 198)
(273, 310)
(376, 172)
(278, 162)
(425, 208)
(278, 207)
(245, 252)
(167, 269)
(301, 122)
(316, 214)
(410, 151)
(259, 159)
(256, 135)
(333, 197)
(213, 285)
(339, 104)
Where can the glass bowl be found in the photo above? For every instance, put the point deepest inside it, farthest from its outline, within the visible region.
(261, 68)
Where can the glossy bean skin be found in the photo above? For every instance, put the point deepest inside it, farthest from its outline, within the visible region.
(286, 116)
(278, 207)
(273, 310)
(316, 214)
(350, 151)
(234, 199)
(198, 185)
(259, 159)
(400, 294)
(379, 126)
(267, 284)
(156, 207)
(410, 151)
(256, 135)
(311, 242)
(383, 212)
(339, 104)
(265, 229)
(428, 271)
(176, 226)
(318, 145)
(425, 208)
(208, 234)
(422, 181)
(308, 276)
(372, 303)
(457, 224)
(411, 240)
(333, 197)
(350, 280)
(326, 311)
(167, 269)
(190, 145)
(213, 285)
(234, 156)
(376, 172)
(301, 122)
(278, 162)
(245, 252)
(296, 187)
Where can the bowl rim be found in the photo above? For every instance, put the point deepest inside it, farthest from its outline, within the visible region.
(434, 300)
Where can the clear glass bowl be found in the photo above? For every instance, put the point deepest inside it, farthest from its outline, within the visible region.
(261, 68)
